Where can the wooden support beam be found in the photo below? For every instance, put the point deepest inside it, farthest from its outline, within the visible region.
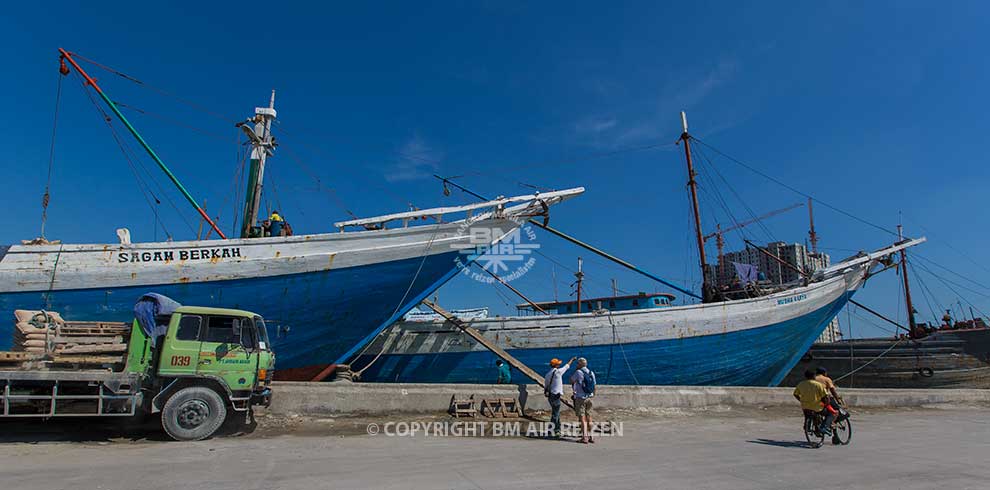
(498, 351)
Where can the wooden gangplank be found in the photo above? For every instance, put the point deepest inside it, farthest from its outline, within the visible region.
(498, 351)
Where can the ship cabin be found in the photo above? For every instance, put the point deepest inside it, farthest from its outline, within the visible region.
(641, 301)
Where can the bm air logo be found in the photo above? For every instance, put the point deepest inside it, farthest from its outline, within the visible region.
(170, 255)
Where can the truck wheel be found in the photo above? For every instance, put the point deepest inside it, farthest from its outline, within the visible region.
(193, 413)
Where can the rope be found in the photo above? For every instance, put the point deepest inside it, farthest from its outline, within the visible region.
(155, 89)
(852, 353)
(426, 254)
(145, 190)
(615, 335)
(850, 373)
(51, 158)
(947, 283)
(794, 190)
(174, 122)
(51, 282)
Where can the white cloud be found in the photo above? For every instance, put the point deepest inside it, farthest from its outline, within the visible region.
(681, 92)
(416, 160)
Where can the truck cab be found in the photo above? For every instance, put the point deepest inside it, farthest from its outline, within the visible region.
(221, 350)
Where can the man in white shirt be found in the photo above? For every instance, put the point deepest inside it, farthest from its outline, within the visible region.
(553, 388)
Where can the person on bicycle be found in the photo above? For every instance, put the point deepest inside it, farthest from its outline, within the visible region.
(814, 397)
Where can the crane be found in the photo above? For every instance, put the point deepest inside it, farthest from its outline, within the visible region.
(719, 233)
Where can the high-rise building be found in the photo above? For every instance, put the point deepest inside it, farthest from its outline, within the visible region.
(775, 273)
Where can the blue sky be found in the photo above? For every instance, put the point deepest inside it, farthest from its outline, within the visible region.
(877, 109)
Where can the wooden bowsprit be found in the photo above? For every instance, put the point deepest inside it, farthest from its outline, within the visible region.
(498, 351)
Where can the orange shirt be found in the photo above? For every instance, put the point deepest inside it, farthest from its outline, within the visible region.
(827, 382)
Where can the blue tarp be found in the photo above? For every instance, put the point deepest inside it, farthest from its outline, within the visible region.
(151, 306)
(747, 273)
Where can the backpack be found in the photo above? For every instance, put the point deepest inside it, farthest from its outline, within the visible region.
(588, 382)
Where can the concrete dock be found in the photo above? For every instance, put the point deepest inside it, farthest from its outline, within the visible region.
(345, 398)
(341, 435)
(698, 449)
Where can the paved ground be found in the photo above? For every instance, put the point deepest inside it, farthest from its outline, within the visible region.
(923, 448)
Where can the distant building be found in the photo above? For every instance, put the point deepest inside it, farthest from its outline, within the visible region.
(775, 273)
(831, 333)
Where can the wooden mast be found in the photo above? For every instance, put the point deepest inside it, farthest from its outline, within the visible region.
(263, 146)
(580, 279)
(693, 187)
(907, 285)
(812, 236)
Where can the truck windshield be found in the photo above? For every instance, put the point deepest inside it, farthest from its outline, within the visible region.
(259, 323)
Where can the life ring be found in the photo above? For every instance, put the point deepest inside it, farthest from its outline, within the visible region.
(926, 372)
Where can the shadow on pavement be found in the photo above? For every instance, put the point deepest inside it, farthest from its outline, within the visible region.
(102, 430)
(771, 442)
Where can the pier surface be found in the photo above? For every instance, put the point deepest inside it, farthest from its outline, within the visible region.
(728, 447)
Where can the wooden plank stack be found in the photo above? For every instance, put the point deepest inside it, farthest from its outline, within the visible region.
(46, 336)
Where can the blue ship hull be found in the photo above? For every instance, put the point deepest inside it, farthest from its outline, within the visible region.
(753, 357)
(313, 318)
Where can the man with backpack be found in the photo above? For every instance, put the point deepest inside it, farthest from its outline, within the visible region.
(583, 383)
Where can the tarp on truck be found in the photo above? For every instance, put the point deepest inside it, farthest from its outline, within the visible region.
(152, 312)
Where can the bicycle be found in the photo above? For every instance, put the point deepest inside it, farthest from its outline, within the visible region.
(841, 428)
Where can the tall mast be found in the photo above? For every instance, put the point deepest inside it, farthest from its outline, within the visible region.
(693, 187)
(580, 279)
(263, 146)
(812, 236)
(154, 156)
(907, 285)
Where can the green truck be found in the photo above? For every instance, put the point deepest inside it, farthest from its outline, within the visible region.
(200, 365)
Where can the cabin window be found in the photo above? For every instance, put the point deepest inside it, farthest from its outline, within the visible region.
(590, 308)
(189, 327)
(223, 329)
(568, 308)
(635, 302)
(611, 304)
(656, 301)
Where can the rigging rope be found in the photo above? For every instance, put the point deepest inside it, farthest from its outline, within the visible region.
(162, 91)
(947, 283)
(854, 371)
(426, 255)
(739, 198)
(172, 121)
(120, 144)
(926, 292)
(46, 198)
(794, 190)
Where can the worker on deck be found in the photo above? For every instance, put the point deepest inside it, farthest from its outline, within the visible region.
(504, 375)
(553, 388)
(814, 399)
(275, 224)
(583, 383)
